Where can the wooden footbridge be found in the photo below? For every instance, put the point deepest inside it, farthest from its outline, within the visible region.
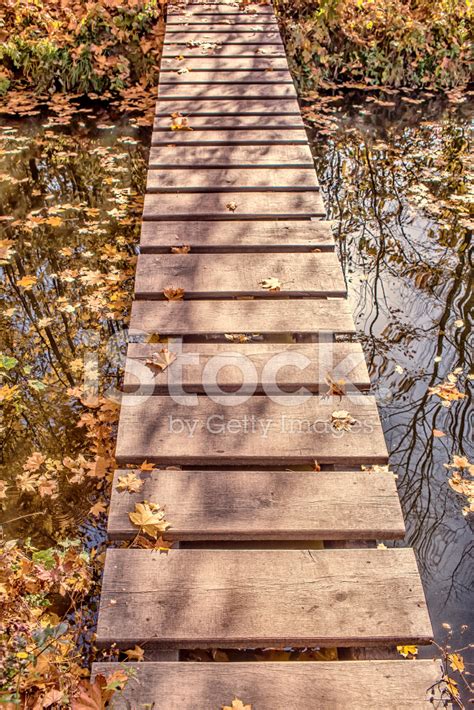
(230, 204)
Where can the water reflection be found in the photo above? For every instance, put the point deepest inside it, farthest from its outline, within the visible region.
(398, 185)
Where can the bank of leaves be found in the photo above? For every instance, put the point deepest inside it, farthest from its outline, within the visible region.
(421, 44)
(77, 46)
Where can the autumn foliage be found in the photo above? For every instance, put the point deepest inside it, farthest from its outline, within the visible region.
(411, 43)
(69, 45)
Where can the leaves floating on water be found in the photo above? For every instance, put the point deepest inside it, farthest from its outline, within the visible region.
(448, 391)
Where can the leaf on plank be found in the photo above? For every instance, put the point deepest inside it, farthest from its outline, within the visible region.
(341, 420)
(150, 518)
(161, 359)
(129, 482)
(173, 294)
(185, 249)
(270, 284)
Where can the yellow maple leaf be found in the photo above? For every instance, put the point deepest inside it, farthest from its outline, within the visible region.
(145, 466)
(129, 482)
(237, 704)
(341, 420)
(456, 661)
(150, 518)
(54, 221)
(452, 686)
(135, 654)
(98, 508)
(27, 282)
(407, 651)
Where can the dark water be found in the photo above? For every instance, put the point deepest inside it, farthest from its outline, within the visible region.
(397, 183)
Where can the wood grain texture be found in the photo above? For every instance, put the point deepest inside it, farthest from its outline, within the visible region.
(245, 430)
(271, 136)
(338, 685)
(225, 107)
(232, 123)
(232, 275)
(249, 205)
(232, 179)
(219, 236)
(177, 92)
(265, 505)
(204, 30)
(258, 598)
(205, 19)
(274, 367)
(257, 316)
(208, 63)
(224, 50)
(224, 77)
(237, 156)
(228, 36)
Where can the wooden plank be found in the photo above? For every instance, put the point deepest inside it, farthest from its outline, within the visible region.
(256, 316)
(219, 236)
(233, 275)
(273, 367)
(227, 33)
(218, 25)
(171, 92)
(231, 20)
(277, 76)
(230, 49)
(238, 156)
(228, 179)
(224, 107)
(230, 137)
(335, 685)
(249, 205)
(253, 431)
(232, 123)
(210, 63)
(264, 505)
(231, 9)
(259, 598)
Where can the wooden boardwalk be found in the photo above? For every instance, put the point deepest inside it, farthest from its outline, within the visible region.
(268, 551)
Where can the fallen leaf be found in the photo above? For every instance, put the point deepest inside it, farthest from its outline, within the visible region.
(97, 509)
(52, 696)
(173, 294)
(452, 686)
(270, 284)
(237, 337)
(135, 654)
(150, 518)
(438, 433)
(162, 359)
(185, 249)
(341, 420)
(129, 482)
(458, 323)
(237, 704)
(381, 546)
(231, 206)
(145, 466)
(179, 123)
(27, 282)
(456, 661)
(407, 651)
(336, 387)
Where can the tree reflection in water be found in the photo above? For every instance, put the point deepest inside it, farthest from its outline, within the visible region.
(397, 184)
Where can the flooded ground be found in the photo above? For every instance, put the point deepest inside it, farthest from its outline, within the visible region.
(395, 182)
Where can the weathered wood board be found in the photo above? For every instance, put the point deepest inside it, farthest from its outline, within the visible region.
(259, 598)
(229, 49)
(177, 92)
(246, 430)
(309, 316)
(229, 107)
(232, 275)
(231, 137)
(264, 505)
(335, 685)
(233, 205)
(231, 179)
(223, 236)
(269, 367)
(232, 123)
(232, 156)
(208, 63)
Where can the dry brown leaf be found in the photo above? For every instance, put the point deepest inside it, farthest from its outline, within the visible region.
(237, 337)
(145, 466)
(129, 482)
(150, 518)
(336, 387)
(98, 509)
(341, 420)
(162, 359)
(185, 249)
(447, 391)
(237, 704)
(27, 282)
(231, 206)
(179, 122)
(270, 284)
(135, 654)
(173, 294)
